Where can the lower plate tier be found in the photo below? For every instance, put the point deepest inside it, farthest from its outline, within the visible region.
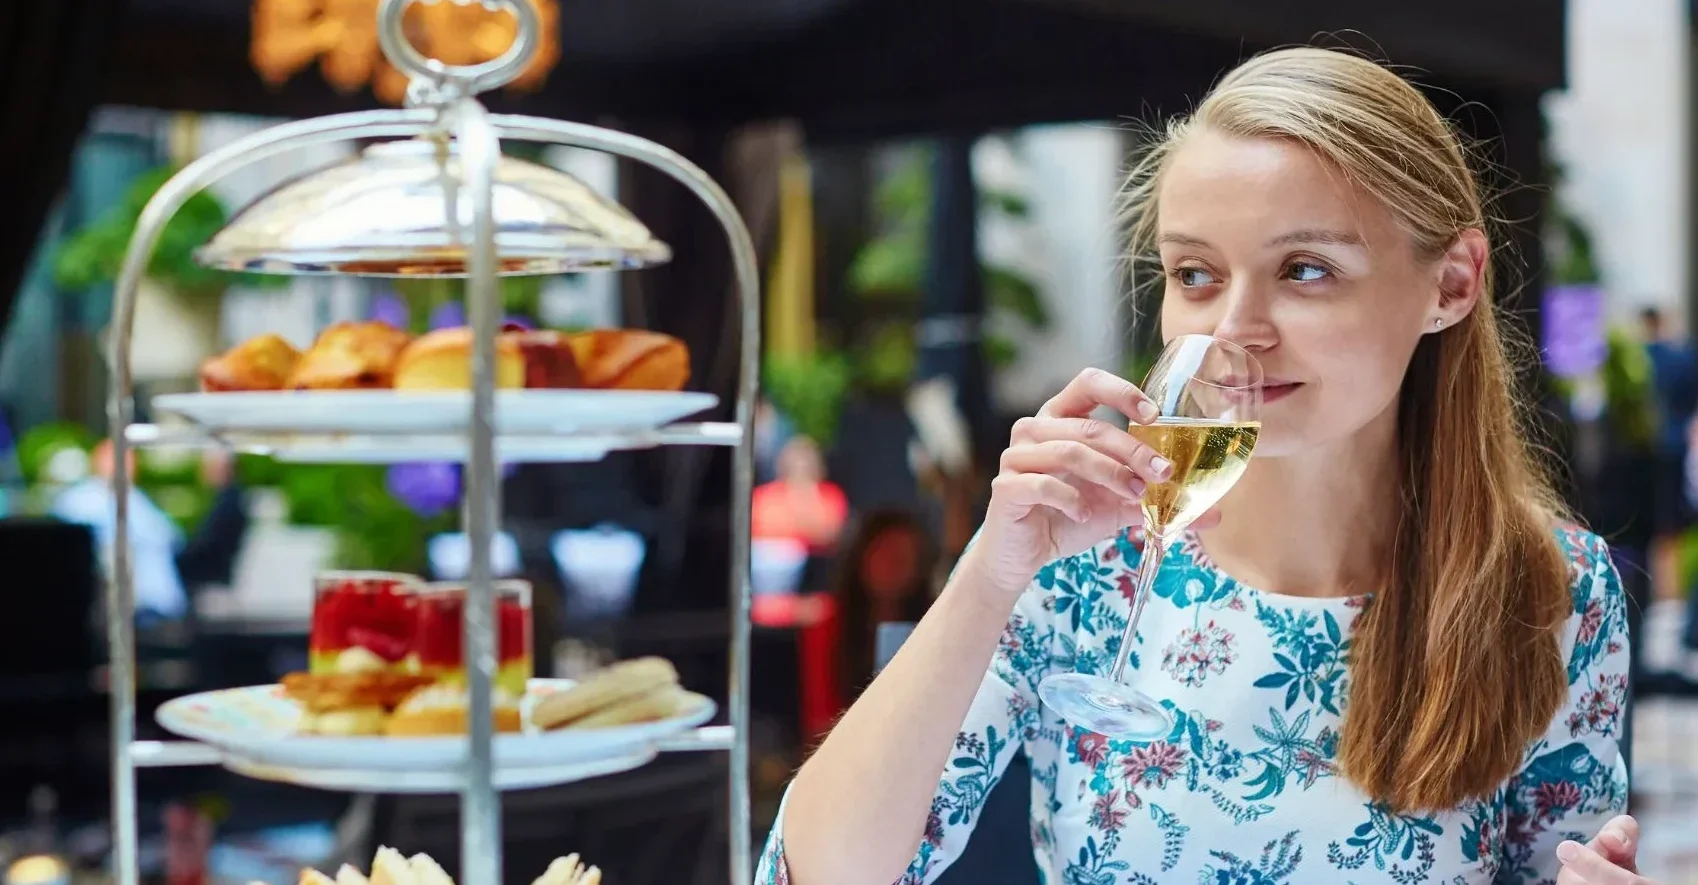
(336, 447)
(261, 725)
(377, 780)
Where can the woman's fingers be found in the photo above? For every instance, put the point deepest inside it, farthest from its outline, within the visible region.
(1595, 869)
(1095, 387)
(1099, 435)
(1041, 490)
(1075, 459)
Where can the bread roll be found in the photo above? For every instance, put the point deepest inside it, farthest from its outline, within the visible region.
(442, 360)
(631, 359)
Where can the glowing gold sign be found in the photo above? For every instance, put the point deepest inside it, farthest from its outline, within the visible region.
(341, 35)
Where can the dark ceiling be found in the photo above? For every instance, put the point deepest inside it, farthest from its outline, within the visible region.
(883, 66)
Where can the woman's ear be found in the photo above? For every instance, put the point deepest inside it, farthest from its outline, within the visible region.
(1461, 278)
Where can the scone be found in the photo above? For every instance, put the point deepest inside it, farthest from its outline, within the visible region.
(442, 360)
(441, 709)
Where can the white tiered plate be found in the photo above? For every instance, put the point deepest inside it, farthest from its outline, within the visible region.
(389, 412)
(375, 780)
(259, 725)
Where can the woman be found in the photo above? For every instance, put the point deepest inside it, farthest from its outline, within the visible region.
(1392, 550)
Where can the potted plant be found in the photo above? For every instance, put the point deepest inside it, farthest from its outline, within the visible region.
(179, 302)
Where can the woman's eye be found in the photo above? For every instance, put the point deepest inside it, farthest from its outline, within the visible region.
(1192, 277)
(1305, 272)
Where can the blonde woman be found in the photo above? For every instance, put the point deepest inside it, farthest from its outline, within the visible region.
(1390, 658)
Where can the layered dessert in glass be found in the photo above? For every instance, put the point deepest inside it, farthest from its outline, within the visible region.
(361, 622)
(438, 637)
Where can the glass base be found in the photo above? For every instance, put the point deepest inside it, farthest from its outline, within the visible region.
(1109, 708)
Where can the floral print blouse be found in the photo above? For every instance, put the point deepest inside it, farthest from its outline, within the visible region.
(1244, 790)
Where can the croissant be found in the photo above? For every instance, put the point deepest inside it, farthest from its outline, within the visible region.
(351, 356)
(631, 359)
(262, 363)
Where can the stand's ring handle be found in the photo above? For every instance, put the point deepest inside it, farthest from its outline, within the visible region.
(492, 74)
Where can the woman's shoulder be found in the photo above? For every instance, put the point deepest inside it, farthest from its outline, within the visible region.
(1597, 620)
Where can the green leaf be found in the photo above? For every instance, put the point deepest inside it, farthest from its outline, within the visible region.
(810, 391)
(93, 255)
(891, 265)
(1007, 290)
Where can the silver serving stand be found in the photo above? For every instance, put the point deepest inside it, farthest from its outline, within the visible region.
(441, 102)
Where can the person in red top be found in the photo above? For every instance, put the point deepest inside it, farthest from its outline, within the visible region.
(801, 504)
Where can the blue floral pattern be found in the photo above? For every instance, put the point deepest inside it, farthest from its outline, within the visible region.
(1245, 789)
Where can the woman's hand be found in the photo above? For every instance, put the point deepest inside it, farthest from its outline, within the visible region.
(1067, 481)
(1611, 858)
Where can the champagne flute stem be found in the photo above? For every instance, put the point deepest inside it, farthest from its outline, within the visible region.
(1155, 547)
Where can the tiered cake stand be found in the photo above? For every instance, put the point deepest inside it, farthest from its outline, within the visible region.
(442, 201)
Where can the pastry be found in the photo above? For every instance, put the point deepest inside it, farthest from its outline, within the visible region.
(388, 867)
(441, 709)
(631, 359)
(623, 682)
(442, 360)
(261, 363)
(351, 356)
(550, 362)
(569, 870)
(648, 707)
(328, 692)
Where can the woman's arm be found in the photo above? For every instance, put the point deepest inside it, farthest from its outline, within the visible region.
(858, 811)
(1573, 780)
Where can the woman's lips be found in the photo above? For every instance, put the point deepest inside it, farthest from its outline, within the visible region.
(1272, 392)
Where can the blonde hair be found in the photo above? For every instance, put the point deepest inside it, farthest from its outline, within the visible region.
(1455, 667)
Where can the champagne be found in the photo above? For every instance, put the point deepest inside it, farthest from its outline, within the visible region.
(1208, 457)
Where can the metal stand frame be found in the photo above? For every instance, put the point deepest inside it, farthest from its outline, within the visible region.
(446, 106)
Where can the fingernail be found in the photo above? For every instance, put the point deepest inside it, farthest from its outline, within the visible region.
(1568, 851)
(1146, 411)
(1161, 466)
(1137, 487)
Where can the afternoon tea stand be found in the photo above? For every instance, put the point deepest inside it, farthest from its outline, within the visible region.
(487, 228)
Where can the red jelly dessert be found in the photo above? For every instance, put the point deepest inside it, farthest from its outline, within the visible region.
(361, 621)
(438, 639)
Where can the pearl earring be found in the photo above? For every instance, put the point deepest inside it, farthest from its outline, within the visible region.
(1438, 323)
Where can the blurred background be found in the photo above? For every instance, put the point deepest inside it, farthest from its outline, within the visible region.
(930, 185)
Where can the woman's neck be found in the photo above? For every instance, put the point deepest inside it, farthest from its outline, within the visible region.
(1315, 524)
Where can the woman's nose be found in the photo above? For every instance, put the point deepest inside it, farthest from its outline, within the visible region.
(1246, 322)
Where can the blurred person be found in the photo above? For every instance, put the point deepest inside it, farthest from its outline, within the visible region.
(154, 538)
(1674, 376)
(800, 504)
(1392, 548)
(884, 575)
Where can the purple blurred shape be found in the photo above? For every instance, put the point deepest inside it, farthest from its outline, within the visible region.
(447, 315)
(1575, 330)
(427, 488)
(389, 308)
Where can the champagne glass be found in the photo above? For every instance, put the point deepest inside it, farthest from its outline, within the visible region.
(1209, 395)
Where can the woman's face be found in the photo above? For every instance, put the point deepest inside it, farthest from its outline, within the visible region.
(1266, 245)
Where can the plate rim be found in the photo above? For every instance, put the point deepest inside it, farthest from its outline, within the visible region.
(285, 750)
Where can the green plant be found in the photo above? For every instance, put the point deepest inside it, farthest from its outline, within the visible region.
(889, 272)
(809, 390)
(373, 530)
(94, 254)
